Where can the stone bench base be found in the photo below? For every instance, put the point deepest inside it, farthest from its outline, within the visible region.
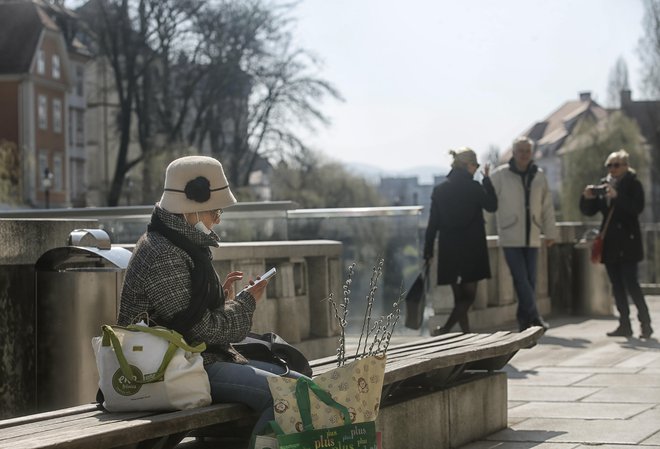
(470, 409)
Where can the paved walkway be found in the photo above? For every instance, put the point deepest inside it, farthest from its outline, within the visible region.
(579, 388)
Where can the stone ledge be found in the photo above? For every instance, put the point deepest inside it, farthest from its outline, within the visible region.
(471, 409)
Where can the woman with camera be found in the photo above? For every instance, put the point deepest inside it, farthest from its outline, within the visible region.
(620, 199)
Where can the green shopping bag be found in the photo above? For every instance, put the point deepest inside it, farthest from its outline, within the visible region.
(349, 436)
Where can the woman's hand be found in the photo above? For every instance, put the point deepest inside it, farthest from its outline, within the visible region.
(611, 192)
(588, 193)
(228, 285)
(486, 170)
(256, 288)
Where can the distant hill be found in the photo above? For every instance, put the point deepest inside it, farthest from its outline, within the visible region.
(424, 173)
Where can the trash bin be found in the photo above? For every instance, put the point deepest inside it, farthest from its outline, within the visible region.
(592, 292)
(77, 291)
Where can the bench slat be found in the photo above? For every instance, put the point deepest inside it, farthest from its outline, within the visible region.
(47, 415)
(109, 430)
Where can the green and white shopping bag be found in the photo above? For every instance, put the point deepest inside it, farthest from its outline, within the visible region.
(149, 368)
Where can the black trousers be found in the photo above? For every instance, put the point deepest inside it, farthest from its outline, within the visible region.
(464, 295)
(623, 277)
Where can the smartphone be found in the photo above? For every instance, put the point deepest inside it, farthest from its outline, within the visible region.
(268, 274)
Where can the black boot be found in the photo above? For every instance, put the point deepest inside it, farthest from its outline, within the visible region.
(647, 330)
(440, 331)
(621, 331)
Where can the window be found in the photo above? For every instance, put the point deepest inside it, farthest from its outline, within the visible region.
(57, 115)
(55, 69)
(41, 62)
(43, 112)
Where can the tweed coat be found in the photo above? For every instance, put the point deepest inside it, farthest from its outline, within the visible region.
(457, 219)
(623, 238)
(158, 281)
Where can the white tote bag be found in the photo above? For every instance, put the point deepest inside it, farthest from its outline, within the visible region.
(149, 368)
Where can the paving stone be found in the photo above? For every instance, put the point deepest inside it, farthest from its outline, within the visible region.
(613, 380)
(541, 377)
(577, 410)
(590, 369)
(606, 355)
(630, 394)
(653, 439)
(608, 431)
(550, 394)
(619, 446)
(511, 445)
(644, 359)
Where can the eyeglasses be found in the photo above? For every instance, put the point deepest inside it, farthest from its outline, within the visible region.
(614, 165)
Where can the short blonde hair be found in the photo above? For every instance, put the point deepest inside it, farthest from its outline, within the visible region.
(621, 155)
(463, 157)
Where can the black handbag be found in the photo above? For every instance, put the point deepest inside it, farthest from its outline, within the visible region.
(416, 300)
(272, 348)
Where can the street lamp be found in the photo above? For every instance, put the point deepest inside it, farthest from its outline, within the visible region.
(47, 183)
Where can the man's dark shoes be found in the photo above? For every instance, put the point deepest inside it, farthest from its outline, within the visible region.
(647, 330)
(621, 331)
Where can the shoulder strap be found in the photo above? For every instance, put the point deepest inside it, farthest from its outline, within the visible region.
(607, 222)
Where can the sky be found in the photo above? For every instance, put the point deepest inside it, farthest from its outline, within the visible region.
(423, 76)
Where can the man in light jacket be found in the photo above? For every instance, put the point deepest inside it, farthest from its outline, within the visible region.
(525, 211)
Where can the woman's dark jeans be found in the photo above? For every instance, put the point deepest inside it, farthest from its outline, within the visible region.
(623, 277)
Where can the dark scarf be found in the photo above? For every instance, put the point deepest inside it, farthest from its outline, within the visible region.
(206, 293)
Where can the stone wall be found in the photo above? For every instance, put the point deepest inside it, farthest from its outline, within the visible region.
(23, 242)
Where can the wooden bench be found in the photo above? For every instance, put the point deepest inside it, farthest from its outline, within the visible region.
(427, 363)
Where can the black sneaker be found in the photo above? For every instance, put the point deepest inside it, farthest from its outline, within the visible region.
(647, 330)
(621, 332)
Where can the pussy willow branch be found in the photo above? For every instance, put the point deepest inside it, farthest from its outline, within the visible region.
(373, 286)
(342, 318)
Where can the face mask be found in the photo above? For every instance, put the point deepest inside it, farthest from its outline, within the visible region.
(200, 226)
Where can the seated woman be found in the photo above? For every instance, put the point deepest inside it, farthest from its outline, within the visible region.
(620, 199)
(170, 277)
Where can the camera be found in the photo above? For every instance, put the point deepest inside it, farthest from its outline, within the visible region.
(600, 190)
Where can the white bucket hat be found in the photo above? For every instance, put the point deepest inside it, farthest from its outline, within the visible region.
(195, 184)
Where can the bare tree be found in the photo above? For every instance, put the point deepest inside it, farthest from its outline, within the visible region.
(617, 81)
(261, 87)
(121, 31)
(223, 76)
(649, 49)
